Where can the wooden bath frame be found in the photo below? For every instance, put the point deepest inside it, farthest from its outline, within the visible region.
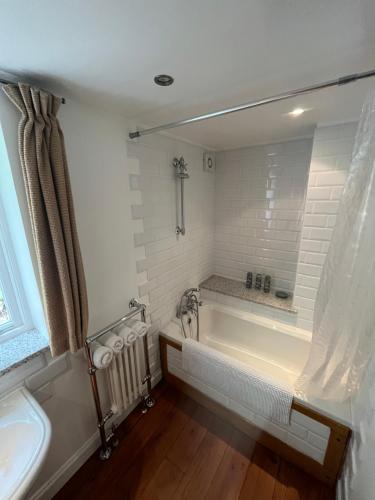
(328, 472)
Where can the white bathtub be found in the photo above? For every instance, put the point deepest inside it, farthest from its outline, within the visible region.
(276, 349)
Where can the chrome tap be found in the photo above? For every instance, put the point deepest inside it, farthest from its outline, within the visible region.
(189, 303)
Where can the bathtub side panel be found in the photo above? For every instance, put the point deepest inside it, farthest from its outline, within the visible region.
(303, 434)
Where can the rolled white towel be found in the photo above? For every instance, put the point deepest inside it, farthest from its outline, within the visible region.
(128, 335)
(114, 408)
(138, 326)
(115, 342)
(101, 355)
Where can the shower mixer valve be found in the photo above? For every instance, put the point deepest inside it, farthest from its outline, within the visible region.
(180, 166)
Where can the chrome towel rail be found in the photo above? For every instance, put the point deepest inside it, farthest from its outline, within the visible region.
(148, 401)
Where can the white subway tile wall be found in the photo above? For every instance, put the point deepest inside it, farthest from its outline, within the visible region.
(168, 264)
(259, 203)
(255, 208)
(330, 161)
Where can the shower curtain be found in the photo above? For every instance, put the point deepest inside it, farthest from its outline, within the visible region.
(343, 338)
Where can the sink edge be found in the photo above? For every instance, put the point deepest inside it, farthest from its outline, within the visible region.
(37, 459)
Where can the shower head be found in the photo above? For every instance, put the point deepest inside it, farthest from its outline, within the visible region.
(180, 166)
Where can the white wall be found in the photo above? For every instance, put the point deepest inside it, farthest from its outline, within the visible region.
(100, 183)
(330, 160)
(168, 264)
(96, 150)
(260, 196)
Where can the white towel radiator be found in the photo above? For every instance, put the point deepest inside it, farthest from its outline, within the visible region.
(126, 365)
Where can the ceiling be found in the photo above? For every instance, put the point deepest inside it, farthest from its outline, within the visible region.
(221, 53)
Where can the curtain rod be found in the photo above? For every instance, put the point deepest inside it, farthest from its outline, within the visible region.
(8, 82)
(259, 102)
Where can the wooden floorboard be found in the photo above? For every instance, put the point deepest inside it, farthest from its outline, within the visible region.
(181, 451)
(136, 478)
(229, 477)
(261, 475)
(164, 483)
(294, 484)
(201, 471)
(185, 447)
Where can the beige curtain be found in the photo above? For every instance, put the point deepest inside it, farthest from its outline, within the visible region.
(46, 177)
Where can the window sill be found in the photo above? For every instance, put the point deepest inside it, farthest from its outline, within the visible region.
(20, 349)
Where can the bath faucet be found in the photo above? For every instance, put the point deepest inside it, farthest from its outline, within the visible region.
(189, 303)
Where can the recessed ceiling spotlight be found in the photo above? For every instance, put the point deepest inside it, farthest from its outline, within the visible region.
(296, 112)
(163, 80)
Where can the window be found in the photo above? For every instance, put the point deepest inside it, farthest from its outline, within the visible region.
(4, 313)
(23, 330)
(14, 312)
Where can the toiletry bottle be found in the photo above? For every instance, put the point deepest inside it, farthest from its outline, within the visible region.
(258, 281)
(267, 284)
(249, 280)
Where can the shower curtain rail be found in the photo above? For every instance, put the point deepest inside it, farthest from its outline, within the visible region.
(344, 80)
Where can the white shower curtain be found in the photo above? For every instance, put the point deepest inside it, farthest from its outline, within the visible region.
(344, 319)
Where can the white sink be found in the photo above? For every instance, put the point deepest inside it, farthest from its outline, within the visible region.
(25, 434)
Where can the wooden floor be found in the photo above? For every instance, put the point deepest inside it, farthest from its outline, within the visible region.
(179, 450)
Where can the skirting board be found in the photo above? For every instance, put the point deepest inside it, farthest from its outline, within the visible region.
(75, 462)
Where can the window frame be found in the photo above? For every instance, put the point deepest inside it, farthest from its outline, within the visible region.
(11, 286)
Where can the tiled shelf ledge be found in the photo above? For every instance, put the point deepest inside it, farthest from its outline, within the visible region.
(238, 289)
